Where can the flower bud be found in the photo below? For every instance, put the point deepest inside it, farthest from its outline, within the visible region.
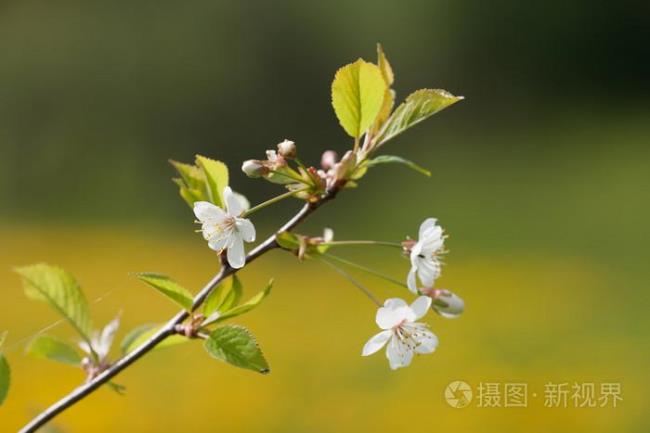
(328, 159)
(344, 168)
(446, 303)
(287, 149)
(254, 168)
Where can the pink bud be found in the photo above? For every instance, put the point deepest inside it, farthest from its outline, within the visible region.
(328, 159)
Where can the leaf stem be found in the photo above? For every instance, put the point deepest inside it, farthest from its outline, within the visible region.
(363, 242)
(366, 270)
(271, 201)
(352, 280)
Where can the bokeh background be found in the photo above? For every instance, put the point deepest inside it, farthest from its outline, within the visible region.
(541, 177)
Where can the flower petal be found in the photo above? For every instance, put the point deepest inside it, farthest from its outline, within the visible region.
(219, 243)
(233, 205)
(246, 228)
(411, 280)
(243, 201)
(393, 312)
(398, 354)
(421, 306)
(206, 211)
(376, 342)
(236, 254)
(426, 228)
(428, 342)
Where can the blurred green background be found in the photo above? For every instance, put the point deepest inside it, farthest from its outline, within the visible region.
(541, 178)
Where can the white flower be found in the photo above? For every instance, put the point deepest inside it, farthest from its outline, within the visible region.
(226, 230)
(424, 255)
(101, 342)
(403, 335)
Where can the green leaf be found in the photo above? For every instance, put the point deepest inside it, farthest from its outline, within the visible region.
(169, 288)
(225, 296)
(240, 309)
(120, 389)
(288, 240)
(216, 175)
(143, 333)
(192, 184)
(46, 347)
(237, 346)
(61, 291)
(391, 159)
(384, 66)
(357, 96)
(5, 378)
(418, 106)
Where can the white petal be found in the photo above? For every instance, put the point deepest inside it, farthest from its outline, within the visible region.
(243, 201)
(107, 336)
(421, 306)
(206, 211)
(393, 312)
(394, 303)
(376, 342)
(236, 254)
(426, 227)
(398, 354)
(233, 205)
(85, 347)
(246, 228)
(453, 304)
(411, 281)
(428, 343)
(218, 244)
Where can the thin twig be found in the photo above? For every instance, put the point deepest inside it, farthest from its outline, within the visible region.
(170, 327)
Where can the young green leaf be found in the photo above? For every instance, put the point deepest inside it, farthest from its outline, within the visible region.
(418, 106)
(216, 175)
(237, 346)
(61, 291)
(391, 159)
(225, 296)
(357, 96)
(288, 240)
(5, 378)
(384, 66)
(192, 184)
(46, 347)
(219, 316)
(169, 288)
(143, 333)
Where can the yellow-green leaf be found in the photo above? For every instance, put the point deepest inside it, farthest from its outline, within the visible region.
(240, 309)
(46, 347)
(224, 297)
(216, 176)
(357, 95)
(61, 291)
(384, 66)
(418, 106)
(169, 288)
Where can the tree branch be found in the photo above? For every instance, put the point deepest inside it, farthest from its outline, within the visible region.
(170, 327)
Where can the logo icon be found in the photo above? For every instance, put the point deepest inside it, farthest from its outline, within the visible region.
(458, 394)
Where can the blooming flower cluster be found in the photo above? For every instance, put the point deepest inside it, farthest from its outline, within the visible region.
(403, 335)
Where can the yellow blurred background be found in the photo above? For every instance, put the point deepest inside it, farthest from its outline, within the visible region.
(540, 177)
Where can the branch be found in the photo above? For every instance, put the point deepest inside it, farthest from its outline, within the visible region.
(170, 327)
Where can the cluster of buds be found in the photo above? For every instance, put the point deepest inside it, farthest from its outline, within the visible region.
(308, 182)
(275, 167)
